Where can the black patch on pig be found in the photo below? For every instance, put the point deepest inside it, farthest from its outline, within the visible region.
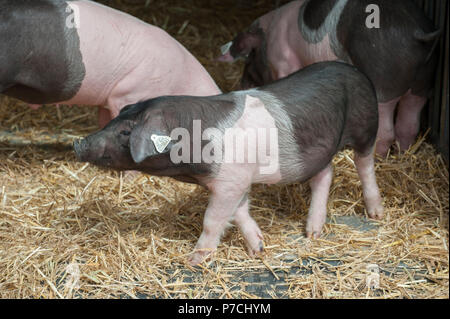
(316, 12)
(40, 56)
(393, 56)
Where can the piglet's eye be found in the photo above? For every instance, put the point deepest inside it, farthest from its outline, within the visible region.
(126, 133)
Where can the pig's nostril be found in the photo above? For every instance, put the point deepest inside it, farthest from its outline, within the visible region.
(77, 141)
(76, 145)
(126, 133)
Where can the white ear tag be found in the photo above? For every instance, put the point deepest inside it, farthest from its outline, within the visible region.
(160, 142)
(226, 47)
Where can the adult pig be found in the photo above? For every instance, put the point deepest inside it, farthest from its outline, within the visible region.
(81, 52)
(397, 52)
(284, 132)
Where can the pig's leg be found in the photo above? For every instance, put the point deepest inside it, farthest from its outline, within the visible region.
(366, 170)
(250, 230)
(222, 205)
(320, 188)
(104, 116)
(386, 133)
(408, 119)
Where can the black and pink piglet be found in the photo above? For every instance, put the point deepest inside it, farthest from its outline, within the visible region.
(289, 131)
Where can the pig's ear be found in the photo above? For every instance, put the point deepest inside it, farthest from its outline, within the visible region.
(144, 144)
(226, 54)
(140, 145)
(246, 42)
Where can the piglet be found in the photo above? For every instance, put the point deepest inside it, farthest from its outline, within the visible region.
(284, 132)
(82, 52)
(392, 42)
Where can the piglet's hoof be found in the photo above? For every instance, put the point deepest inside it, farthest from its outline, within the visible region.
(256, 251)
(314, 226)
(199, 256)
(376, 212)
(253, 240)
(313, 234)
(313, 231)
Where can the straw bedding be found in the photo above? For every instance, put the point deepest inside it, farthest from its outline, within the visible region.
(70, 229)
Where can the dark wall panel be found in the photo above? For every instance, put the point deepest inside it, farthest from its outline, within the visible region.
(437, 116)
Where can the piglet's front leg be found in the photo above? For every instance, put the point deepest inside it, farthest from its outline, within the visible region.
(222, 205)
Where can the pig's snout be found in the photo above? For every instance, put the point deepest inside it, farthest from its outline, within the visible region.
(227, 57)
(89, 150)
(80, 148)
(95, 150)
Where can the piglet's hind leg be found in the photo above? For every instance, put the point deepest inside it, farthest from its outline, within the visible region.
(366, 171)
(320, 188)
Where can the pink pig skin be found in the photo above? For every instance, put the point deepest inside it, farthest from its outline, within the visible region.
(128, 60)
